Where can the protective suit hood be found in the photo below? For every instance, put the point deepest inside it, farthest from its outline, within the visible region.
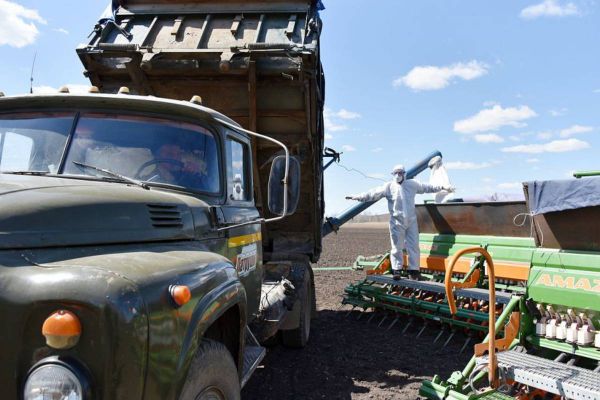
(399, 173)
(398, 168)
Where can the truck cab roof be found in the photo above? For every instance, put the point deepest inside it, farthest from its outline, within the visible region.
(152, 104)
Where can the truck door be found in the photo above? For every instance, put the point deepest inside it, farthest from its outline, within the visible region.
(244, 244)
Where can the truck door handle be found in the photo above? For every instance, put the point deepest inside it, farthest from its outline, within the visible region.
(217, 218)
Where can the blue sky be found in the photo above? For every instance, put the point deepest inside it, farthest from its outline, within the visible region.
(509, 91)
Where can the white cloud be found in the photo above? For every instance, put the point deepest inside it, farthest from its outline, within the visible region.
(376, 176)
(550, 8)
(510, 185)
(345, 114)
(574, 130)
(556, 146)
(348, 148)
(564, 133)
(466, 165)
(558, 112)
(514, 138)
(331, 119)
(44, 90)
(377, 150)
(544, 135)
(73, 88)
(334, 127)
(328, 136)
(17, 24)
(61, 30)
(487, 179)
(489, 138)
(533, 160)
(430, 77)
(597, 91)
(492, 119)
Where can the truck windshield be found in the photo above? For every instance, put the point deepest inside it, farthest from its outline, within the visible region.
(147, 149)
(33, 142)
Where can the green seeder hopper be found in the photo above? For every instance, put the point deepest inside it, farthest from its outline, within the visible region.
(519, 280)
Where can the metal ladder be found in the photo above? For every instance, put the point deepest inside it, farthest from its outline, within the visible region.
(565, 380)
(253, 355)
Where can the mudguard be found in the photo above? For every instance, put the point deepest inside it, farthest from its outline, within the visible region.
(208, 310)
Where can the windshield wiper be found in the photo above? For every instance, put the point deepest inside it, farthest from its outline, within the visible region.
(26, 172)
(123, 178)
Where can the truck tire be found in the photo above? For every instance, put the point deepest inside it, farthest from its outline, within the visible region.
(212, 375)
(298, 337)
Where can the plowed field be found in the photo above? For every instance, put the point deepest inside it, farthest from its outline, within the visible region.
(348, 358)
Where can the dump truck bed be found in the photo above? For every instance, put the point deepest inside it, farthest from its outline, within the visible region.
(255, 61)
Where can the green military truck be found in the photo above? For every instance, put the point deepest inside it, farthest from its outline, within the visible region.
(151, 240)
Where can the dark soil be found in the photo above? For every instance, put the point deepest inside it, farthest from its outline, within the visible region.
(348, 358)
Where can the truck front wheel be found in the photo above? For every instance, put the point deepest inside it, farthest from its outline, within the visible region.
(212, 375)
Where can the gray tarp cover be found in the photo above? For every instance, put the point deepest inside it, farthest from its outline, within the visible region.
(549, 196)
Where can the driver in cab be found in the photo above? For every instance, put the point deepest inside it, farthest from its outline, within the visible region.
(175, 166)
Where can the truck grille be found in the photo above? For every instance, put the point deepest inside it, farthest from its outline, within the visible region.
(165, 216)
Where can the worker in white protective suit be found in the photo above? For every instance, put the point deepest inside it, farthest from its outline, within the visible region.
(404, 232)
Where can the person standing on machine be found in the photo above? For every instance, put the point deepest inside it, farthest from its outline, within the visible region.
(404, 231)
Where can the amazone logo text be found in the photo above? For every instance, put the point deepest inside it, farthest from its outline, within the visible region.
(569, 282)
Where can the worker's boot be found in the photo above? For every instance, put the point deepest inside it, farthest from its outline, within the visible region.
(396, 274)
(414, 275)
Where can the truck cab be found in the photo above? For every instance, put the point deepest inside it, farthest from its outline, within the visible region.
(131, 262)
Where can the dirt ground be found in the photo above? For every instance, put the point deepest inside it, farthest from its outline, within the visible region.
(348, 358)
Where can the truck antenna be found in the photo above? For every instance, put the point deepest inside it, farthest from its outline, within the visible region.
(31, 76)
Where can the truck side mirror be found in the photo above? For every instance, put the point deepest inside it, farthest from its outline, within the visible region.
(276, 187)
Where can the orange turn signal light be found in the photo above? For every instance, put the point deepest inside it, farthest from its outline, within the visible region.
(181, 294)
(61, 329)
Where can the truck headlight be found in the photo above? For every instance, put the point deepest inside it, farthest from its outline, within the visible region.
(52, 382)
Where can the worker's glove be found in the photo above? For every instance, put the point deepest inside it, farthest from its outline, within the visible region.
(350, 198)
(449, 188)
